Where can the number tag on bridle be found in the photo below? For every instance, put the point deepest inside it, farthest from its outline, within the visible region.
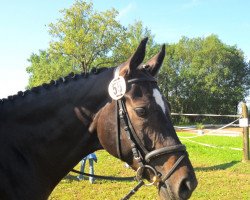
(117, 88)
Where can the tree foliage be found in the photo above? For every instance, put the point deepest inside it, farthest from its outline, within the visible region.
(133, 34)
(84, 35)
(200, 75)
(204, 75)
(84, 38)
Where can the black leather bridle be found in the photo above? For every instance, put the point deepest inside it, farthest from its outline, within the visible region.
(140, 153)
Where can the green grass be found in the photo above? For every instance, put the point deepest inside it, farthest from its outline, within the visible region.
(213, 156)
(220, 173)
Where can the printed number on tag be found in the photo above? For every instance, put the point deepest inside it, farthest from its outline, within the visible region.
(117, 88)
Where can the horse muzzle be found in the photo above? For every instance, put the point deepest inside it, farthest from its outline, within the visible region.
(179, 181)
(181, 190)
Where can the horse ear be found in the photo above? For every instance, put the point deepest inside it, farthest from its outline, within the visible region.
(135, 60)
(155, 63)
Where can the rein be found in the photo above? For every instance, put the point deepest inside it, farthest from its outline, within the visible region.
(111, 178)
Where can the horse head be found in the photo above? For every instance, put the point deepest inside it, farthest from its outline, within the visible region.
(136, 127)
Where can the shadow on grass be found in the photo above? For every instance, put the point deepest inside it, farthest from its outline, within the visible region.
(71, 178)
(217, 167)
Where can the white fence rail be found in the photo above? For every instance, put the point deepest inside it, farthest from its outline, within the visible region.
(205, 115)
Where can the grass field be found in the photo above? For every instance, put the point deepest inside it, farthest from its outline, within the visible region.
(220, 173)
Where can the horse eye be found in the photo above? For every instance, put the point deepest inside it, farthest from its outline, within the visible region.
(141, 112)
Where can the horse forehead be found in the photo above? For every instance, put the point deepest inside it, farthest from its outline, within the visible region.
(159, 99)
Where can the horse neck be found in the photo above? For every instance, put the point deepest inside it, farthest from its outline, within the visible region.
(44, 131)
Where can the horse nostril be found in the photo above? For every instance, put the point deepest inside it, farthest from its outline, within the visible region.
(185, 189)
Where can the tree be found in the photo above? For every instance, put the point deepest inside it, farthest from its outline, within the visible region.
(204, 75)
(85, 36)
(133, 34)
(44, 68)
(83, 39)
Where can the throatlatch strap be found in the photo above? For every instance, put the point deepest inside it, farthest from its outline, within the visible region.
(118, 131)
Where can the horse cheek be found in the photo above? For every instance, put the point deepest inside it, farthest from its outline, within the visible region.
(105, 131)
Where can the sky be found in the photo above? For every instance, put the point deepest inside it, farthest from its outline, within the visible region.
(24, 27)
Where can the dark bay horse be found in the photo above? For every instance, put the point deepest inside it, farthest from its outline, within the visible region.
(46, 131)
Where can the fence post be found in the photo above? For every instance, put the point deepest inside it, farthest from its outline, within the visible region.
(245, 134)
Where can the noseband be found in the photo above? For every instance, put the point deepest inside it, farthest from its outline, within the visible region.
(140, 153)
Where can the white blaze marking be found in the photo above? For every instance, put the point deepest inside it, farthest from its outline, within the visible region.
(158, 98)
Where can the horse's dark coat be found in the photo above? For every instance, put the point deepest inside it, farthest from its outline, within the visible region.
(41, 139)
(45, 132)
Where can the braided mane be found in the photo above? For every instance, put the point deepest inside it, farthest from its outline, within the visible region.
(62, 80)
